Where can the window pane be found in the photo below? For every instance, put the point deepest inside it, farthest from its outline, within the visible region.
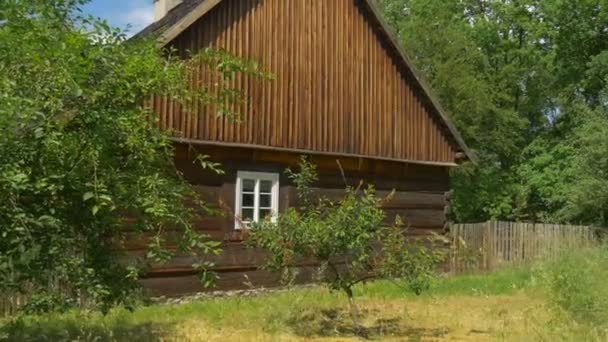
(266, 186)
(265, 201)
(248, 185)
(264, 213)
(247, 215)
(247, 200)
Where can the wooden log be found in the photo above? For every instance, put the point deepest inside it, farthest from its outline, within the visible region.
(233, 280)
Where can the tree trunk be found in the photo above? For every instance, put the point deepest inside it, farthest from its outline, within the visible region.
(354, 312)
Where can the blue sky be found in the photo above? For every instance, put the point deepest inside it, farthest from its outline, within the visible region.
(120, 13)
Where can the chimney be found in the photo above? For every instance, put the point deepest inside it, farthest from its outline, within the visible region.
(162, 7)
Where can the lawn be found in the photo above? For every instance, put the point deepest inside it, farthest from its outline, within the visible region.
(500, 306)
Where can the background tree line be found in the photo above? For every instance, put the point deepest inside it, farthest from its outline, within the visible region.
(526, 83)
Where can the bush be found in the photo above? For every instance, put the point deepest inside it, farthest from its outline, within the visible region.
(83, 168)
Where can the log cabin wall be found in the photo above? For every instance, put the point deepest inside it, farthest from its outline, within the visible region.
(338, 88)
(420, 200)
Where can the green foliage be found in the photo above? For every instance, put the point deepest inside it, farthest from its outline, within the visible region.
(303, 179)
(346, 237)
(83, 167)
(588, 191)
(565, 172)
(44, 303)
(576, 284)
(526, 84)
(479, 195)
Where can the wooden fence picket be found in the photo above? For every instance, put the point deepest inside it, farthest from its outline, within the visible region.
(499, 243)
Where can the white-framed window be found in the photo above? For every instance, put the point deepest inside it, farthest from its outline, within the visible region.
(257, 197)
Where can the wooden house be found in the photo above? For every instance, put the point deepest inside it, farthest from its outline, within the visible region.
(344, 91)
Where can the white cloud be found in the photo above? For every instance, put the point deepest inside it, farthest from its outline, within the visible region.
(138, 18)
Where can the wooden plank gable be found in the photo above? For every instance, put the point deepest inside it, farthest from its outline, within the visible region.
(341, 85)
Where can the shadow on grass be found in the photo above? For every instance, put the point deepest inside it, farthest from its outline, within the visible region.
(339, 323)
(53, 330)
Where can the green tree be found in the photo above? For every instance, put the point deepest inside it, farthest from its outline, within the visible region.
(82, 164)
(563, 169)
(526, 83)
(347, 239)
(482, 60)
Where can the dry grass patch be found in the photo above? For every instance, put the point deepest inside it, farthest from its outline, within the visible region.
(453, 318)
(469, 318)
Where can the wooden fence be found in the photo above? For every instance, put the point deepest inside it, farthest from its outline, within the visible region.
(490, 245)
(12, 302)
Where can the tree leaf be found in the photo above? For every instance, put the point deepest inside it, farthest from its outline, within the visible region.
(87, 196)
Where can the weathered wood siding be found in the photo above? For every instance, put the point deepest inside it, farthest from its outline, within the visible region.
(419, 199)
(338, 88)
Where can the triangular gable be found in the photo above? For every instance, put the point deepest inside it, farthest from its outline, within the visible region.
(186, 14)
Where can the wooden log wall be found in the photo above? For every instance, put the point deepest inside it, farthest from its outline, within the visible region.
(419, 200)
(338, 88)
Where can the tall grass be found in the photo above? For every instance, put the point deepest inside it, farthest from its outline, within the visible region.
(576, 286)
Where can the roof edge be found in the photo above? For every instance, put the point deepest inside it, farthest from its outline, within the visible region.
(181, 25)
(426, 89)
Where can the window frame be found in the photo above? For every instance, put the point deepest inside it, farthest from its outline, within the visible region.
(257, 177)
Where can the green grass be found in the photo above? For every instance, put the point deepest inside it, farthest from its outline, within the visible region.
(504, 281)
(565, 300)
(278, 313)
(541, 303)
